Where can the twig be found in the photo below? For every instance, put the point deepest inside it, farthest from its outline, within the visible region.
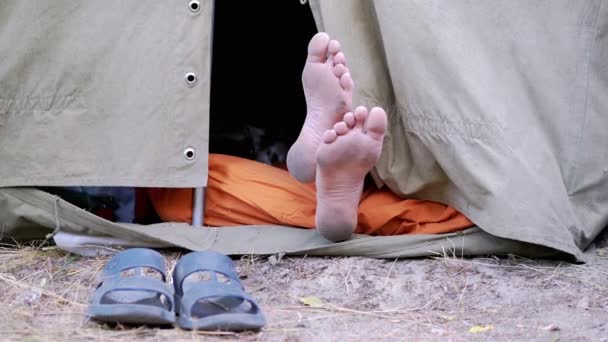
(389, 272)
(35, 288)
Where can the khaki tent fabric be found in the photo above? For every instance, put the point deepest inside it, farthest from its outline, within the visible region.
(497, 108)
(94, 92)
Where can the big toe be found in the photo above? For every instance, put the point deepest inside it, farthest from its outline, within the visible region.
(317, 48)
(376, 123)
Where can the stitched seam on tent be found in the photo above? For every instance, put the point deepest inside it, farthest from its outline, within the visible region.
(438, 117)
(25, 182)
(18, 104)
(469, 130)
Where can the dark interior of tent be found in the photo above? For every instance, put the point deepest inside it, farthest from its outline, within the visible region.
(257, 101)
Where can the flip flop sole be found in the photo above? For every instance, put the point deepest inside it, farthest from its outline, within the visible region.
(127, 313)
(227, 322)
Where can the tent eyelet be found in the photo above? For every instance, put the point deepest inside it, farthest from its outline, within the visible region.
(194, 6)
(190, 78)
(189, 153)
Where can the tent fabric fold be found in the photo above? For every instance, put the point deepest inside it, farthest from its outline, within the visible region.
(33, 214)
(494, 108)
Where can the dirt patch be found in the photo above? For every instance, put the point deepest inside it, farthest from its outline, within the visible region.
(45, 293)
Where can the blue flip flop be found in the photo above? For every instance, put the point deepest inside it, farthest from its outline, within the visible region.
(210, 296)
(135, 298)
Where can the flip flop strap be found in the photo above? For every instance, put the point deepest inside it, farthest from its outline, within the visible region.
(201, 262)
(135, 258)
(211, 289)
(133, 284)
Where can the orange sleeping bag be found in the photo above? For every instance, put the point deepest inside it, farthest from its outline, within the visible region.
(246, 192)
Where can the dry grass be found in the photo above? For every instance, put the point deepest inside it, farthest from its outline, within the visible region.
(45, 293)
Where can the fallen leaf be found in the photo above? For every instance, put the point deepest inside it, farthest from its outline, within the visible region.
(311, 301)
(479, 329)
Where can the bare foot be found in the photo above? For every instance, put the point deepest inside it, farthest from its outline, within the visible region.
(345, 156)
(328, 87)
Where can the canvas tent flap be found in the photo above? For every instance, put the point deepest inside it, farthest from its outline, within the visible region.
(93, 93)
(495, 108)
(31, 213)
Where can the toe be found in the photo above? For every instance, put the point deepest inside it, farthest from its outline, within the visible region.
(349, 119)
(329, 136)
(340, 58)
(346, 81)
(317, 48)
(340, 70)
(376, 123)
(333, 48)
(341, 128)
(360, 116)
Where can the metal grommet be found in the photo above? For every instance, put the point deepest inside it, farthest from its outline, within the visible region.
(189, 153)
(191, 78)
(195, 6)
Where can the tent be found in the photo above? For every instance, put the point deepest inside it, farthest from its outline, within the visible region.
(497, 108)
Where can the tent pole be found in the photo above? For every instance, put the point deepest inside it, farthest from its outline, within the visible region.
(198, 203)
(198, 208)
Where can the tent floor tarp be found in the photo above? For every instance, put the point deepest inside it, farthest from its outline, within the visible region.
(29, 213)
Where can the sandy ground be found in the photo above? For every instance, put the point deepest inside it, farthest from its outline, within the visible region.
(45, 292)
